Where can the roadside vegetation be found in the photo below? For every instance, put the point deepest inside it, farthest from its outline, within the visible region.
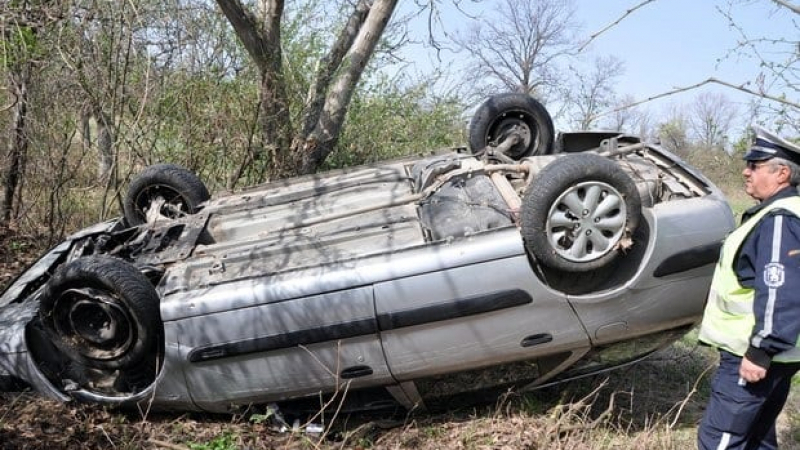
(655, 404)
(651, 405)
(95, 91)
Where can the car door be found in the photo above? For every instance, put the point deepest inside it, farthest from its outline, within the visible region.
(282, 350)
(475, 316)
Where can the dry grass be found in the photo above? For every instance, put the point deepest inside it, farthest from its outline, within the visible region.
(652, 405)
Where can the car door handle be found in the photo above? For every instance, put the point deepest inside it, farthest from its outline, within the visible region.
(356, 372)
(536, 339)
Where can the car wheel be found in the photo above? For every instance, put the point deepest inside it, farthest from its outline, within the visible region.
(172, 189)
(579, 213)
(101, 312)
(502, 115)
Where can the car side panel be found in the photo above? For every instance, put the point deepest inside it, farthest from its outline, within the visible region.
(462, 330)
(283, 350)
(649, 302)
(15, 358)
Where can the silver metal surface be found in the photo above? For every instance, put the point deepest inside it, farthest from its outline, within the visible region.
(586, 221)
(331, 283)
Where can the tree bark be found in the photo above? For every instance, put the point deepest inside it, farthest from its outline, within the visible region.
(330, 92)
(261, 36)
(311, 150)
(105, 140)
(105, 147)
(18, 144)
(328, 66)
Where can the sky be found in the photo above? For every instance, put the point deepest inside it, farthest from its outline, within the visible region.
(664, 45)
(677, 43)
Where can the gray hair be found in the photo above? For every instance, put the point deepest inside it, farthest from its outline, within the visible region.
(794, 169)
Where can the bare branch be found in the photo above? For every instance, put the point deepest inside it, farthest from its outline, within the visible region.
(794, 8)
(689, 395)
(615, 23)
(712, 80)
(330, 63)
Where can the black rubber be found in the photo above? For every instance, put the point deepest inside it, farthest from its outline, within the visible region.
(498, 114)
(180, 187)
(553, 180)
(129, 290)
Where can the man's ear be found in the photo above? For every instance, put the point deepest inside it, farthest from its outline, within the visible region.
(785, 174)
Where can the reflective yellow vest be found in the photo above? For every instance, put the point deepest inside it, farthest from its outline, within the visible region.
(728, 320)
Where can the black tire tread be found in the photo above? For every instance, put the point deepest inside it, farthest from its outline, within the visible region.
(498, 104)
(550, 183)
(126, 282)
(190, 187)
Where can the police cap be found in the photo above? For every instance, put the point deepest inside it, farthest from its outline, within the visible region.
(767, 145)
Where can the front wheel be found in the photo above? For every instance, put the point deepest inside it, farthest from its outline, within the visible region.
(578, 214)
(101, 312)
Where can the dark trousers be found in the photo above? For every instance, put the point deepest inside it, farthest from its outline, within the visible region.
(742, 416)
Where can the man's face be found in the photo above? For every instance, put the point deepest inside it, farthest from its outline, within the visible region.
(764, 178)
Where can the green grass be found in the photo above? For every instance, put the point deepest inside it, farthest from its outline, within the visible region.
(224, 442)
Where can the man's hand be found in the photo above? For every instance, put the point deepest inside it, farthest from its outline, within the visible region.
(751, 372)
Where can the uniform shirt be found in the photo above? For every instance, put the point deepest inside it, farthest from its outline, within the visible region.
(769, 262)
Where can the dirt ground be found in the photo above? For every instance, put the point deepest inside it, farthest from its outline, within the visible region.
(658, 404)
(789, 422)
(30, 422)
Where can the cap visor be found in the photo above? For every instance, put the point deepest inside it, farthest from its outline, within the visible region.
(755, 154)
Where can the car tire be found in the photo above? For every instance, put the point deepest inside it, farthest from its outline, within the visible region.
(101, 312)
(579, 212)
(499, 115)
(180, 189)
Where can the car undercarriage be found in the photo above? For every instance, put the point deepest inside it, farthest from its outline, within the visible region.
(530, 260)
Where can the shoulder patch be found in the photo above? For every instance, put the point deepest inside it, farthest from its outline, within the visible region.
(774, 275)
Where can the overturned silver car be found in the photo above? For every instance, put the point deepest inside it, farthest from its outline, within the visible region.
(525, 260)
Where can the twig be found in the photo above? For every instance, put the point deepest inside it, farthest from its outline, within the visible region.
(163, 444)
(712, 80)
(110, 441)
(689, 395)
(793, 8)
(342, 389)
(339, 406)
(627, 13)
(10, 407)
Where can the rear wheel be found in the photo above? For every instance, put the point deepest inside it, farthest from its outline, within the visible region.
(163, 191)
(101, 312)
(504, 115)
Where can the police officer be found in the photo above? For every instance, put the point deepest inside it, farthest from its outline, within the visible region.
(753, 310)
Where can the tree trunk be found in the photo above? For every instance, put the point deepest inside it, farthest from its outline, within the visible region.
(309, 151)
(105, 147)
(18, 144)
(261, 37)
(275, 122)
(328, 98)
(105, 140)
